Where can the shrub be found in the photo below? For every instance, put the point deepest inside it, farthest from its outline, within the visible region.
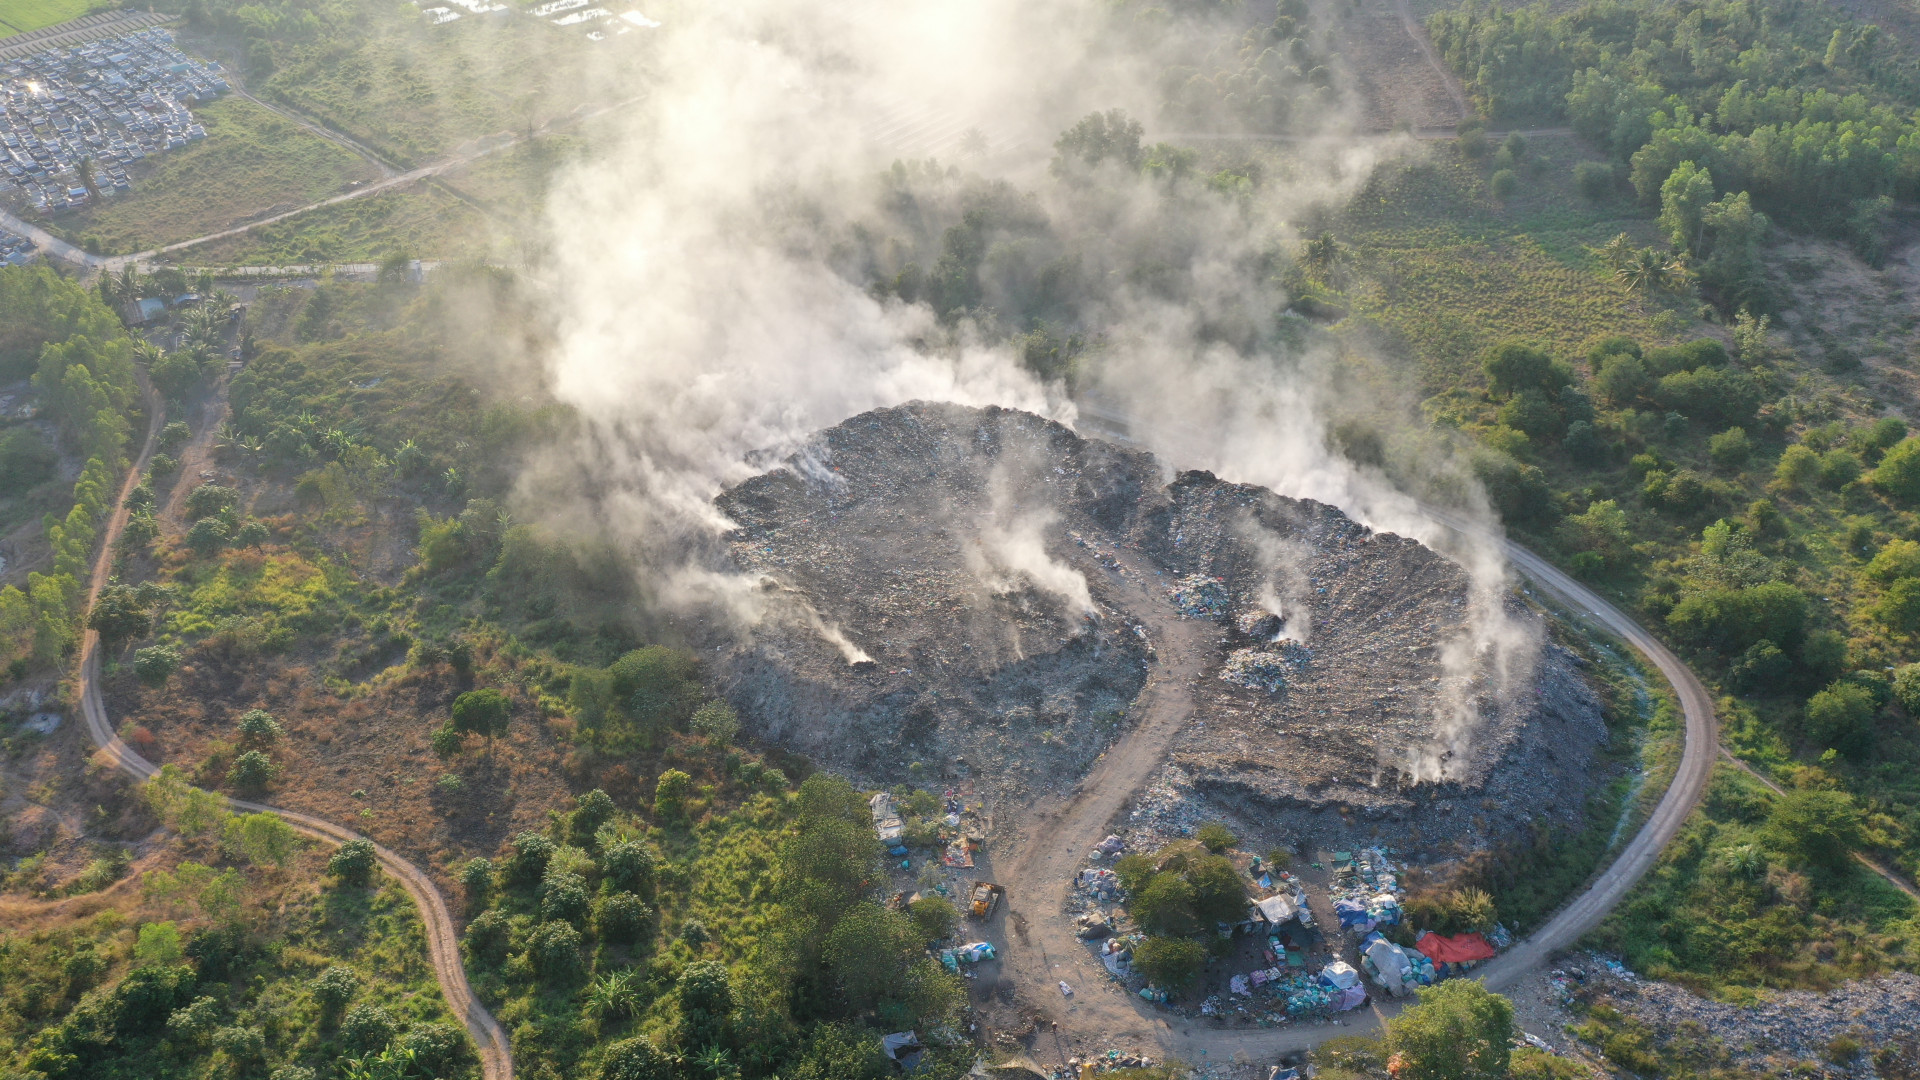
(1215, 836)
(155, 663)
(593, 810)
(445, 741)
(438, 1049)
(476, 879)
(1906, 688)
(210, 499)
(1838, 468)
(1898, 474)
(366, 1028)
(531, 852)
(628, 866)
(208, 535)
(1593, 179)
(1171, 963)
(1762, 667)
(1899, 559)
(935, 917)
(332, 989)
(1799, 467)
(1818, 827)
(241, 1043)
(252, 771)
(488, 936)
(1582, 443)
(1898, 608)
(638, 1059)
(484, 712)
(195, 1022)
(717, 722)
(624, 919)
(259, 724)
(1512, 366)
(354, 862)
(1730, 449)
(563, 898)
(174, 435)
(1841, 717)
(1503, 183)
(161, 464)
(1731, 621)
(670, 793)
(554, 949)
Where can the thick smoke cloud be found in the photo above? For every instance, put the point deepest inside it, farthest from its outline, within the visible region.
(707, 322)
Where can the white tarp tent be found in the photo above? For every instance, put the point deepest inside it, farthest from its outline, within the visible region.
(1275, 909)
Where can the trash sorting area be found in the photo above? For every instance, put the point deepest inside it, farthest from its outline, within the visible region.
(1287, 965)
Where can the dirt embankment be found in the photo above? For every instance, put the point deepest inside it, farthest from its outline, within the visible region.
(951, 586)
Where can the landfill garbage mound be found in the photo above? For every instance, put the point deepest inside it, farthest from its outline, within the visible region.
(959, 587)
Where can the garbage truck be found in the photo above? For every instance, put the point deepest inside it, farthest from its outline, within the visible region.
(984, 898)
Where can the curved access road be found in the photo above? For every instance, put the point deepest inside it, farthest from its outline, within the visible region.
(496, 1061)
(1046, 951)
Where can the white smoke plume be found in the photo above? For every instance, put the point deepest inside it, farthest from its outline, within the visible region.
(1283, 590)
(707, 318)
(1010, 551)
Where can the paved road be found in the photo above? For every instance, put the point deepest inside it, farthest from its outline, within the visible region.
(1046, 950)
(496, 1061)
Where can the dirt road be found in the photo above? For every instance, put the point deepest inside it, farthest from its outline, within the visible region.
(496, 1062)
(1045, 951)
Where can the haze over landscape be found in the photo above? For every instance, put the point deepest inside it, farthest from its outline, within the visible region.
(1341, 538)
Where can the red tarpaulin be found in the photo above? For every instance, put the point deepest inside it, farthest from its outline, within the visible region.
(1455, 949)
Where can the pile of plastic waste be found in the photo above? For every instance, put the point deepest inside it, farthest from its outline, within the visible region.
(1099, 883)
(1200, 597)
(1256, 669)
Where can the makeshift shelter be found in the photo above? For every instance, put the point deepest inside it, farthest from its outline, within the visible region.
(903, 1047)
(1340, 975)
(886, 823)
(1391, 967)
(1458, 949)
(1276, 909)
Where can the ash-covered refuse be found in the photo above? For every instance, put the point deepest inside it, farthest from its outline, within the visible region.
(980, 586)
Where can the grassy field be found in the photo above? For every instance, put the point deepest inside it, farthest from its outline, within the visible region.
(251, 161)
(416, 92)
(423, 221)
(22, 16)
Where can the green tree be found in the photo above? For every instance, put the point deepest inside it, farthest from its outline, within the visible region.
(705, 996)
(1730, 449)
(717, 722)
(1458, 1031)
(1898, 474)
(262, 838)
(670, 793)
(209, 535)
(353, 862)
(1799, 468)
(367, 1027)
(1841, 717)
(158, 944)
(1815, 827)
(554, 949)
(1503, 183)
(623, 919)
(1622, 381)
(637, 1059)
(252, 772)
(1898, 608)
(1683, 205)
(119, 616)
(593, 810)
(1168, 962)
(332, 990)
(1512, 366)
(485, 712)
(531, 854)
(1166, 906)
(629, 867)
(258, 725)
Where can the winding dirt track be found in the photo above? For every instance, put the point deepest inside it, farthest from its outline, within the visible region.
(1047, 951)
(496, 1061)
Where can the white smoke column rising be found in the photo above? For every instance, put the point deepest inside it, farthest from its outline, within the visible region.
(700, 320)
(1010, 551)
(1281, 560)
(1262, 420)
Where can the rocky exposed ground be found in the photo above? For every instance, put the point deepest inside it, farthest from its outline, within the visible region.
(946, 583)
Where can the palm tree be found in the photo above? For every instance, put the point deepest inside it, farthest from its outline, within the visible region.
(146, 352)
(716, 1062)
(1321, 253)
(1651, 270)
(1618, 252)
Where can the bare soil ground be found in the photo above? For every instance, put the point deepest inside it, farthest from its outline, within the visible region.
(1396, 82)
(1853, 316)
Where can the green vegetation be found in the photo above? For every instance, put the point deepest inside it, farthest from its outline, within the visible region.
(251, 160)
(746, 934)
(231, 966)
(421, 220)
(82, 368)
(21, 16)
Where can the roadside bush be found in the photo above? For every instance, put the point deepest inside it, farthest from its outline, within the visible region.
(488, 936)
(353, 863)
(437, 1049)
(1170, 963)
(1731, 621)
(252, 772)
(155, 663)
(1458, 1031)
(476, 880)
